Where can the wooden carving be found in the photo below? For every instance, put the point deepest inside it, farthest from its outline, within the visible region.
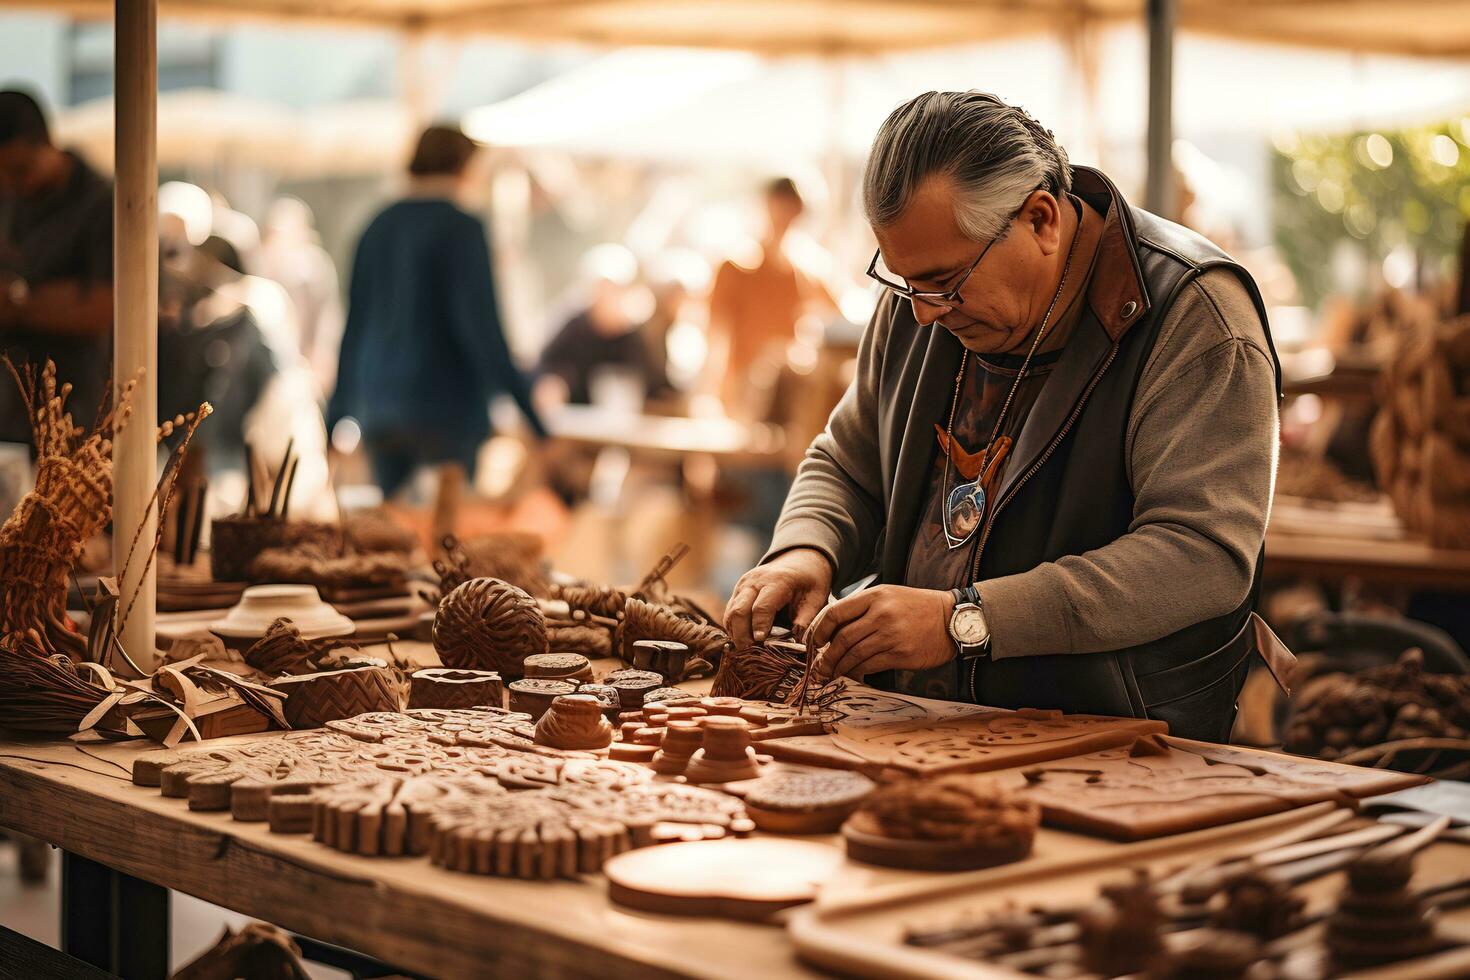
(1161, 786)
(451, 783)
(983, 740)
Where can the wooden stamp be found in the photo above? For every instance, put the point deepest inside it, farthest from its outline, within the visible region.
(533, 695)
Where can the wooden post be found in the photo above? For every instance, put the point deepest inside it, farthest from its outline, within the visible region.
(1159, 191)
(135, 311)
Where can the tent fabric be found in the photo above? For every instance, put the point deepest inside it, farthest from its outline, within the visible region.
(1413, 27)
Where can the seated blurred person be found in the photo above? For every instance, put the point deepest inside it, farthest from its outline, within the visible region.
(210, 345)
(602, 345)
(423, 351)
(55, 264)
(754, 306)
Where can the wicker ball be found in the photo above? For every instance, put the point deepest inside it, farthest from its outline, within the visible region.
(487, 624)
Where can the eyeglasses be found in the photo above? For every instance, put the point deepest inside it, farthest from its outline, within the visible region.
(947, 298)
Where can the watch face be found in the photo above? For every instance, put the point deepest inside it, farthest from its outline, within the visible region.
(968, 626)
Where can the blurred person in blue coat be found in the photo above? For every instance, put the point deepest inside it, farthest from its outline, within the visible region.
(423, 352)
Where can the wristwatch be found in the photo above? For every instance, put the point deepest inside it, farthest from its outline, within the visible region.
(967, 625)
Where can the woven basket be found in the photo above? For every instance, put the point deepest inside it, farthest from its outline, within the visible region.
(315, 699)
(235, 541)
(438, 687)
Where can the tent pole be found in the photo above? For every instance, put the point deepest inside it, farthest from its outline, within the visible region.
(135, 313)
(1159, 192)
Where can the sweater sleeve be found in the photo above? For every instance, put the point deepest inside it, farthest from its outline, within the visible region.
(835, 504)
(1201, 445)
(475, 318)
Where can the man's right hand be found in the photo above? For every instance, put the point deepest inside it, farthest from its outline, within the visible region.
(799, 580)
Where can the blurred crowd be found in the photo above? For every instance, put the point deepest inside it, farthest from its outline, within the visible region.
(395, 363)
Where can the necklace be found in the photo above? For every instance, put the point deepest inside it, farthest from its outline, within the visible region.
(964, 505)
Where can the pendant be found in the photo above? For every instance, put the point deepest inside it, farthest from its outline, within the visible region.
(964, 509)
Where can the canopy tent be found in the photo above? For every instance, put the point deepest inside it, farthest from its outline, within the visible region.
(198, 128)
(1418, 27)
(671, 104)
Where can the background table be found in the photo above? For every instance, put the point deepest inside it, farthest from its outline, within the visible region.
(1336, 542)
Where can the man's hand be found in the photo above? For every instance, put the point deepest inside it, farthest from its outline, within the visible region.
(883, 628)
(799, 580)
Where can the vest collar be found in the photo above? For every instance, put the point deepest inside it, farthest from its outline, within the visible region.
(1116, 294)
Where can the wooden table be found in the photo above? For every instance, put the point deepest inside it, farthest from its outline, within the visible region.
(403, 911)
(131, 843)
(1335, 542)
(666, 436)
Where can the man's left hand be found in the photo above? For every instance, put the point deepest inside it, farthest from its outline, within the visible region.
(884, 628)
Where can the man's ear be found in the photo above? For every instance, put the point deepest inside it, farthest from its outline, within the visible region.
(1042, 212)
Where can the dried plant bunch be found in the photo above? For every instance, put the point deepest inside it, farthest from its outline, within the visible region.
(42, 541)
(42, 694)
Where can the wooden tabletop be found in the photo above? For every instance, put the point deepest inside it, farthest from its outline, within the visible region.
(1334, 542)
(404, 911)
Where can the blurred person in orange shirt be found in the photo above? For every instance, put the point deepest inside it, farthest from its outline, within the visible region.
(754, 308)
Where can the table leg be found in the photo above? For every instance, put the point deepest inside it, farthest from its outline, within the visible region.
(113, 921)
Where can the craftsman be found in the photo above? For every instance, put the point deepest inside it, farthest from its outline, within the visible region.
(1057, 452)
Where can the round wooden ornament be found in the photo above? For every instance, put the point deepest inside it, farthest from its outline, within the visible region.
(487, 624)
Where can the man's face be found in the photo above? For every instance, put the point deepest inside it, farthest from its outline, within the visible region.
(20, 168)
(998, 305)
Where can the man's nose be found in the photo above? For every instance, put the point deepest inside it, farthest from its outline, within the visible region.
(926, 312)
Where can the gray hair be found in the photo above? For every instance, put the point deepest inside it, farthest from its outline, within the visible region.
(995, 153)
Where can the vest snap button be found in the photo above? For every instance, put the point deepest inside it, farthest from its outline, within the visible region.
(1129, 308)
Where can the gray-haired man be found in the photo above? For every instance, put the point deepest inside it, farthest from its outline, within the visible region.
(1058, 450)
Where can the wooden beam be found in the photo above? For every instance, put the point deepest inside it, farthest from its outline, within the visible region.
(135, 313)
(1159, 190)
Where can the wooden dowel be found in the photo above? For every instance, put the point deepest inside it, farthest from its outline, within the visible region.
(202, 496)
(290, 482)
(280, 479)
(249, 481)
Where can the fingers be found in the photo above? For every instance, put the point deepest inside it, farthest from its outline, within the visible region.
(858, 660)
(737, 614)
(844, 641)
(880, 661)
(807, 606)
(838, 615)
(771, 600)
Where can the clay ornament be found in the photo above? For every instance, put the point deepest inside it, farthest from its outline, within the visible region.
(560, 666)
(725, 754)
(806, 801)
(632, 685)
(612, 704)
(574, 721)
(942, 823)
